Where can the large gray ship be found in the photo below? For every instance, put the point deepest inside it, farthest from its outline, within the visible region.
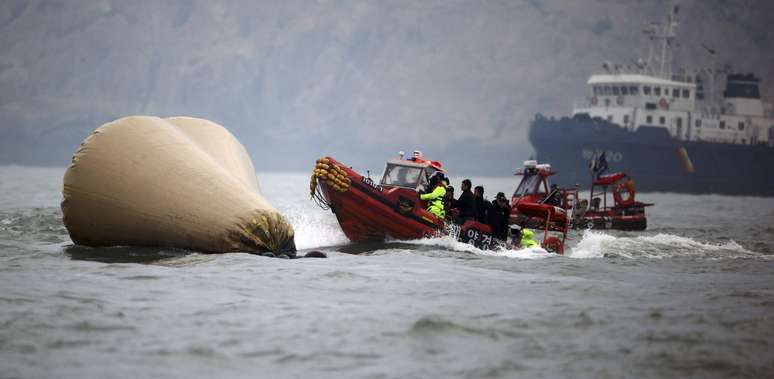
(668, 129)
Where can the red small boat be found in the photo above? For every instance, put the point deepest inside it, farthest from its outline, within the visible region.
(625, 213)
(534, 206)
(369, 211)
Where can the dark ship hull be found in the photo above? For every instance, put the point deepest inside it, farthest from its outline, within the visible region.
(657, 162)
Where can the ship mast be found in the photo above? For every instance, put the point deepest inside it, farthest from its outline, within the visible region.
(663, 35)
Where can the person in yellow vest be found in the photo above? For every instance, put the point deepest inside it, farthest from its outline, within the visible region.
(435, 197)
(526, 239)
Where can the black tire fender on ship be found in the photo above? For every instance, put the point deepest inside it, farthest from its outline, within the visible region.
(626, 188)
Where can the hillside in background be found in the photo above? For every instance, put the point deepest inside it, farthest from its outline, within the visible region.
(295, 80)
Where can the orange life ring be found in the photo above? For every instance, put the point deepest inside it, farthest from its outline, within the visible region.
(624, 187)
(663, 103)
(619, 100)
(594, 100)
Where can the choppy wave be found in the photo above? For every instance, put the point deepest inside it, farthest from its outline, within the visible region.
(596, 244)
(36, 225)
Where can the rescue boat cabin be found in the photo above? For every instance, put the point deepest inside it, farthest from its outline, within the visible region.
(534, 186)
(413, 173)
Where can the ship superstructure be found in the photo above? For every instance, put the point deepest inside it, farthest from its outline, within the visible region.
(669, 127)
(649, 93)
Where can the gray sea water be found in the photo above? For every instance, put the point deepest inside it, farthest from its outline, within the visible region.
(691, 297)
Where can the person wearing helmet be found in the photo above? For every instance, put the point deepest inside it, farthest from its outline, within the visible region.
(435, 197)
(526, 239)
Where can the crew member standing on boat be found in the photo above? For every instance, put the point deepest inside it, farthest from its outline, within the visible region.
(497, 218)
(449, 202)
(436, 197)
(481, 205)
(465, 203)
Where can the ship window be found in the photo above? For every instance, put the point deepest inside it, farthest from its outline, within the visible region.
(616, 92)
(401, 176)
(722, 124)
(633, 90)
(624, 91)
(698, 123)
(596, 91)
(686, 93)
(662, 120)
(646, 90)
(607, 90)
(675, 92)
(649, 119)
(741, 125)
(657, 91)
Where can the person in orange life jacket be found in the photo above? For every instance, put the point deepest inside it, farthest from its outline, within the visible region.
(435, 197)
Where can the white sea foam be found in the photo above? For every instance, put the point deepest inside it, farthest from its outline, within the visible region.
(316, 229)
(450, 243)
(596, 244)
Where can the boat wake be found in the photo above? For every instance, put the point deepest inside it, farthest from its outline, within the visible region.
(450, 243)
(601, 245)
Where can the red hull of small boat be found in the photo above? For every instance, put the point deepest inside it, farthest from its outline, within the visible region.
(369, 212)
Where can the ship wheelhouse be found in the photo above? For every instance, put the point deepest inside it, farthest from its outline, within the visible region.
(634, 100)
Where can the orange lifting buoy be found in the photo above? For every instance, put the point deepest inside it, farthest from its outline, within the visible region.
(663, 103)
(594, 100)
(627, 188)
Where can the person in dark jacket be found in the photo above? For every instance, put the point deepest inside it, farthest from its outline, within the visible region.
(554, 196)
(467, 209)
(481, 205)
(497, 218)
(450, 203)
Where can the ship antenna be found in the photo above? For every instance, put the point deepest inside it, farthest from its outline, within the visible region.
(667, 36)
(664, 34)
(712, 72)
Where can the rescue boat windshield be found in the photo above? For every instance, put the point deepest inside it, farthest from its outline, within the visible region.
(398, 175)
(528, 184)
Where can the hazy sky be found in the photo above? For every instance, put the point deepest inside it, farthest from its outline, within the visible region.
(295, 80)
